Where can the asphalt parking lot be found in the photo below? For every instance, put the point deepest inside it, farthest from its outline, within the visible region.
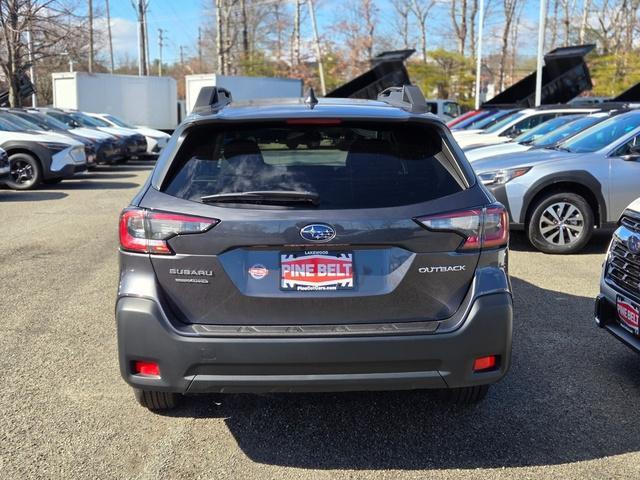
(566, 410)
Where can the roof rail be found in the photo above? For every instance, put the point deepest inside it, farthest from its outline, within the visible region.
(408, 97)
(211, 98)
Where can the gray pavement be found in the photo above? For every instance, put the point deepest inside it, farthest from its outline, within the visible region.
(566, 410)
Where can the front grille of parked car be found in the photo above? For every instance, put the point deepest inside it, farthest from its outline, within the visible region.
(624, 268)
(632, 224)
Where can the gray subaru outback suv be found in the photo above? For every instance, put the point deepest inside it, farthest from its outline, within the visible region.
(304, 245)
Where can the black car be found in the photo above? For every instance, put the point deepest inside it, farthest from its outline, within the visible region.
(109, 149)
(326, 245)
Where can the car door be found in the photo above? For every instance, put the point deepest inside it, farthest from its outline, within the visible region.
(624, 176)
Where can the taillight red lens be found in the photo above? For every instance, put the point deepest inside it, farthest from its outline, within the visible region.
(496, 227)
(481, 228)
(144, 231)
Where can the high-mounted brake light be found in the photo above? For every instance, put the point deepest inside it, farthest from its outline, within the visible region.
(314, 121)
(481, 228)
(143, 231)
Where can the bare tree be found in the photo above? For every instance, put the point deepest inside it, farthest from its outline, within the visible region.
(402, 9)
(47, 22)
(460, 19)
(509, 13)
(420, 10)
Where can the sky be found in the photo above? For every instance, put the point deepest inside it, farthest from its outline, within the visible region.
(180, 20)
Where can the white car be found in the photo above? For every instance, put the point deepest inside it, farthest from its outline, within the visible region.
(156, 139)
(36, 158)
(4, 165)
(545, 135)
(512, 126)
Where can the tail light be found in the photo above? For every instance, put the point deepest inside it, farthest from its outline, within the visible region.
(481, 228)
(144, 231)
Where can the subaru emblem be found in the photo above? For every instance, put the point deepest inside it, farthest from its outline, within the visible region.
(317, 232)
(634, 244)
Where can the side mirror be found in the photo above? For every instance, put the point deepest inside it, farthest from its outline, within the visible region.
(74, 124)
(631, 157)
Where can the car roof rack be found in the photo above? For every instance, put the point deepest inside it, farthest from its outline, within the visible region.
(407, 97)
(212, 98)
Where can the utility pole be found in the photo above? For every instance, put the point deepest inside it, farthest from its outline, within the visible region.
(296, 35)
(160, 52)
(479, 54)
(141, 13)
(200, 49)
(317, 44)
(219, 38)
(109, 35)
(543, 13)
(182, 56)
(90, 36)
(32, 71)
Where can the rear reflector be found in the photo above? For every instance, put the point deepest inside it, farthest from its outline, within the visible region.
(485, 363)
(481, 228)
(147, 369)
(144, 231)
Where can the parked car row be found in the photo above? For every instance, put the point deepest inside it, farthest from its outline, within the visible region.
(560, 171)
(47, 145)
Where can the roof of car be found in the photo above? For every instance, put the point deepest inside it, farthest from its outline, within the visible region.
(264, 109)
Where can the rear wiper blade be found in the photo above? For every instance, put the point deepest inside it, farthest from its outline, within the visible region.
(265, 197)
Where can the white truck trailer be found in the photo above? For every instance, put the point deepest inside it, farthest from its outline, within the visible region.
(242, 88)
(146, 101)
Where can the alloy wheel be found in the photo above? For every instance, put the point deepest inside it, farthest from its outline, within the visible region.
(561, 223)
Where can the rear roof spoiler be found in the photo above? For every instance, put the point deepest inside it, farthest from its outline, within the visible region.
(387, 70)
(565, 75)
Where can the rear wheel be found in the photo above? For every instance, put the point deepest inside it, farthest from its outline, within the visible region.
(155, 400)
(467, 395)
(26, 172)
(560, 223)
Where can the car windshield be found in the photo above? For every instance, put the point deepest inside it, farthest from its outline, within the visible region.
(118, 122)
(490, 120)
(566, 131)
(544, 128)
(32, 119)
(471, 120)
(99, 121)
(601, 135)
(85, 120)
(504, 122)
(8, 126)
(51, 122)
(19, 122)
(352, 165)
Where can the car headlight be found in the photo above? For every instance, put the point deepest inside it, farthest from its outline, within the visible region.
(54, 147)
(502, 176)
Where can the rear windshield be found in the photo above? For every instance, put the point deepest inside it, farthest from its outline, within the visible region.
(346, 165)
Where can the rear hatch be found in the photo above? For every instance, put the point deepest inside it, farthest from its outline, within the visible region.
(315, 224)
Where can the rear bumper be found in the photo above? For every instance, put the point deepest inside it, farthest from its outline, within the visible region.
(195, 363)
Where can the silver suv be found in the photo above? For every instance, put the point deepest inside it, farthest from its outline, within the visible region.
(559, 196)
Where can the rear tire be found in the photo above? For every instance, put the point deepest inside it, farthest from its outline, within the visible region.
(155, 400)
(560, 223)
(26, 172)
(467, 395)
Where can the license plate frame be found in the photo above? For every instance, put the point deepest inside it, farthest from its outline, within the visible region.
(317, 271)
(628, 314)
